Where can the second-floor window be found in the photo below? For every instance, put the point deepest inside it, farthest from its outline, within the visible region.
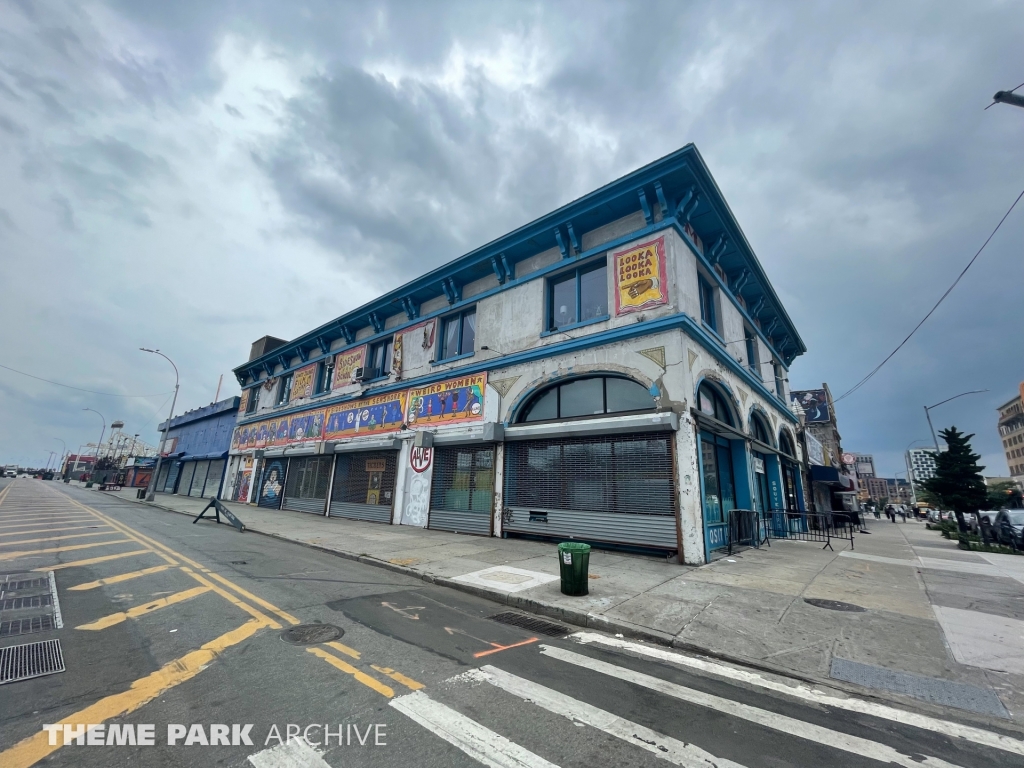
(779, 390)
(578, 296)
(707, 302)
(325, 376)
(751, 342)
(254, 399)
(458, 334)
(284, 391)
(380, 359)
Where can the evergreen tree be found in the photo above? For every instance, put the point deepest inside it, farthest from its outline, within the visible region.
(958, 481)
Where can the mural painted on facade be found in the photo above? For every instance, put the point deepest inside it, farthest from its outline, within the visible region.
(243, 401)
(303, 381)
(345, 364)
(382, 413)
(446, 402)
(640, 277)
(272, 484)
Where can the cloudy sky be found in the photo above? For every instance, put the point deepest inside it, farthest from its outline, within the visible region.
(194, 175)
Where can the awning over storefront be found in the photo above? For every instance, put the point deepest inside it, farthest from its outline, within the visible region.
(643, 422)
(204, 456)
(827, 475)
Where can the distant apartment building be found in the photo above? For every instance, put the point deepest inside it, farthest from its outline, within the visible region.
(878, 488)
(899, 491)
(1011, 432)
(920, 464)
(864, 466)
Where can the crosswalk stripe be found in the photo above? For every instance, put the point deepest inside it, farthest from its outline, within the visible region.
(294, 753)
(665, 747)
(814, 733)
(802, 692)
(480, 743)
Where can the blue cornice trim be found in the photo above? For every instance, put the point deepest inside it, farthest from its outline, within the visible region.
(678, 321)
(681, 173)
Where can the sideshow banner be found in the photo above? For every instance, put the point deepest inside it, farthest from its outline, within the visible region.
(447, 402)
(345, 364)
(382, 413)
(243, 401)
(272, 484)
(308, 425)
(640, 280)
(396, 356)
(302, 382)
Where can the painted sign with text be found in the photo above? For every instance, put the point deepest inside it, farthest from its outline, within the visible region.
(447, 402)
(303, 381)
(640, 280)
(345, 364)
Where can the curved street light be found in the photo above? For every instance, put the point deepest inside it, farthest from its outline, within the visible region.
(928, 408)
(102, 432)
(151, 493)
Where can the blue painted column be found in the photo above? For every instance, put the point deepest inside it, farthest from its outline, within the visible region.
(741, 474)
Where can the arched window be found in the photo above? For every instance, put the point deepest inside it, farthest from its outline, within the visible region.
(589, 396)
(713, 404)
(786, 443)
(758, 429)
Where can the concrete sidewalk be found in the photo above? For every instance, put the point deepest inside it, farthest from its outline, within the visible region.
(954, 618)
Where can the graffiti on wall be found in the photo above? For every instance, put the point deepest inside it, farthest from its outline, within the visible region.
(454, 400)
(640, 280)
(303, 381)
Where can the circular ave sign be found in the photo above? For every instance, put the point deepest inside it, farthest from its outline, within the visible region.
(420, 458)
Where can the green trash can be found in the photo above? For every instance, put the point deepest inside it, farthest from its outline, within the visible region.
(573, 562)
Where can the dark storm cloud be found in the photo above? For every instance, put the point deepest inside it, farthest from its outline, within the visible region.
(186, 151)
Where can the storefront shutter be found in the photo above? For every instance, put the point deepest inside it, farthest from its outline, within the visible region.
(364, 485)
(306, 490)
(462, 490)
(613, 488)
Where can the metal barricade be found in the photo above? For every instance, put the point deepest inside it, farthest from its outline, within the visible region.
(807, 526)
(746, 529)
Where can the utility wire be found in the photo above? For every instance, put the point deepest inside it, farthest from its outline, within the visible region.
(79, 389)
(942, 298)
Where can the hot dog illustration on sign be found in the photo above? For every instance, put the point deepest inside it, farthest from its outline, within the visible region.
(640, 277)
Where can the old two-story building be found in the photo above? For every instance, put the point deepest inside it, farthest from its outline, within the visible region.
(614, 372)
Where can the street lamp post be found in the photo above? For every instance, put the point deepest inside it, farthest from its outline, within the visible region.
(64, 447)
(928, 416)
(102, 431)
(151, 494)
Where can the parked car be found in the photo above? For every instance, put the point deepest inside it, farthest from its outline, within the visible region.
(989, 513)
(1009, 528)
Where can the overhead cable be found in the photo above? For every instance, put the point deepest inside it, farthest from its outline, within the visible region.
(78, 389)
(942, 298)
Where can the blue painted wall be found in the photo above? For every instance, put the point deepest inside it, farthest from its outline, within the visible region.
(205, 430)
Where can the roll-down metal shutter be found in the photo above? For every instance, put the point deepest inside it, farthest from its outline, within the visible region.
(462, 490)
(364, 485)
(199, 478)
(613, 488)
(213, 479)
(306, 489)
(188, 470)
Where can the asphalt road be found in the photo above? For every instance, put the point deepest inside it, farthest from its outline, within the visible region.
(169, 623)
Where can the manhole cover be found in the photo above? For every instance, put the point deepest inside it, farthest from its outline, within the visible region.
(834, 605)
(311, 634)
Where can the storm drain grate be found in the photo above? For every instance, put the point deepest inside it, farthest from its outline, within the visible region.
(26, 626)
(532, 623)
(23, 662)
(935, 690)
(19, 603)
(22, 585)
